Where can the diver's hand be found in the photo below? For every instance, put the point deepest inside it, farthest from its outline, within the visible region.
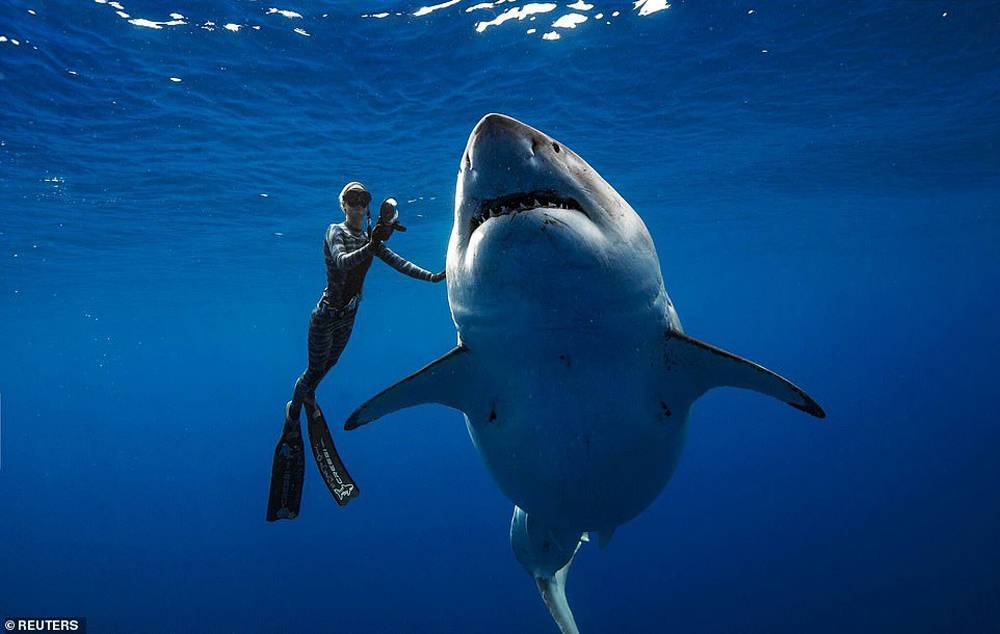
(437, 277)
(381, 233)
(388, 221)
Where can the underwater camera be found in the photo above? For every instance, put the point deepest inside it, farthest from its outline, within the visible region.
(388, 215)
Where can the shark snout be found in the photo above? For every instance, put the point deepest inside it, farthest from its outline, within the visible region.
(501, 141)
(496, 123)
(523, 178)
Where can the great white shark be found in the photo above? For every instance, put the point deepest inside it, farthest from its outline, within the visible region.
(572, 368)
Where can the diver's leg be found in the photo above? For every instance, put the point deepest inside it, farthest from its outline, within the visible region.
(325, 349)
(332, 468)
(322, 331)
(288, 465)
(341, 334)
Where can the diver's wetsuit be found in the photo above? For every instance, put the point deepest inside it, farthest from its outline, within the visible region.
(348, 255)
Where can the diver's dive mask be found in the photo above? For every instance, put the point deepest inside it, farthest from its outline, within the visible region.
(357, 198)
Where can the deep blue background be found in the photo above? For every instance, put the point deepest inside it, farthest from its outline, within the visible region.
(829, 208)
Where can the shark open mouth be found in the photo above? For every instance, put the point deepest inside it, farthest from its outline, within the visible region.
(510, 204)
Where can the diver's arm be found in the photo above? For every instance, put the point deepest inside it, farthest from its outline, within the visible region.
(343, 258)
(406, 267)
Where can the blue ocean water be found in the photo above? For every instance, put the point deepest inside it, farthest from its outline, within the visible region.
(821, 179)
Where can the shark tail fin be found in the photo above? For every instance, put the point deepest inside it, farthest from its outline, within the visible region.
(441, 381)
(714, 367)
(547, 554)
(553, 591)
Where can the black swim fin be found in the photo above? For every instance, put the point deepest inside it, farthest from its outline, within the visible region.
(287, 473)
(330, 465)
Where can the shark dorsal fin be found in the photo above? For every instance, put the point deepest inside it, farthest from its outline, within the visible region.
(440, 381)
(714, 367)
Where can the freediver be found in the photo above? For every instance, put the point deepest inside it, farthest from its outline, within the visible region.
(348, 250)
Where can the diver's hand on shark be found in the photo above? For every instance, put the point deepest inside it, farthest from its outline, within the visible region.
(437, 277)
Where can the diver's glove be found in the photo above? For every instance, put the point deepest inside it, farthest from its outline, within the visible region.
(437, 277)
(380, 233)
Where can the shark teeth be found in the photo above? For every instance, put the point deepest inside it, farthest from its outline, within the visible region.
(515, 203)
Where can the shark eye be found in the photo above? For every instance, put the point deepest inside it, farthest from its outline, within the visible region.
(555, 146)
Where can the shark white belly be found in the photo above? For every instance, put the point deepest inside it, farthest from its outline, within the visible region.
(563, 407)
(572, 368)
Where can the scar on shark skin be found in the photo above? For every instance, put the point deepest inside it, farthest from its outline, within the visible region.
(666, 409)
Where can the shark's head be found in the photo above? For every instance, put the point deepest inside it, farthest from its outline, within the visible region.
(537, 229)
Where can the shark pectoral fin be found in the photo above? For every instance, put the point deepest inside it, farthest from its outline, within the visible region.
(441, 381)
(714, 367)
